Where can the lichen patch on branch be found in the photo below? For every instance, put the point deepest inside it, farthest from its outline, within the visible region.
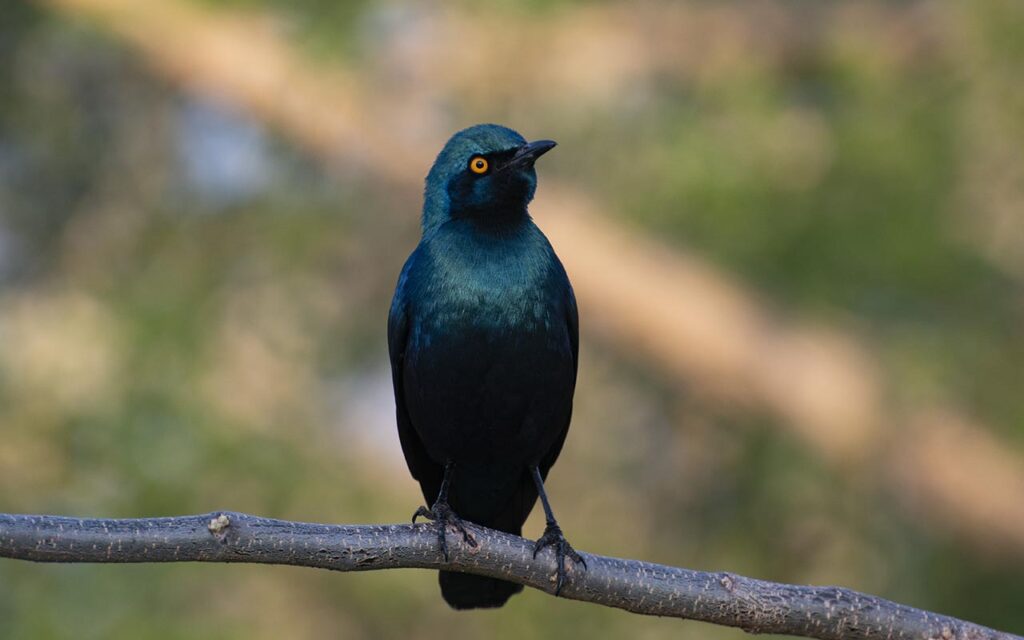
(218, 526)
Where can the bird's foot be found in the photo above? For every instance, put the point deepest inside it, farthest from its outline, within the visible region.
(443, 516)
(553, 537)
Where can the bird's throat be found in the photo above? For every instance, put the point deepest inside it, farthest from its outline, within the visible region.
(494, 218)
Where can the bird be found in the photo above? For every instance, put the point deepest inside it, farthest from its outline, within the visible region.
(483, 338)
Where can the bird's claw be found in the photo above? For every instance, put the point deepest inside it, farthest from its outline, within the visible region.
(422, 512)
(553, 537)
(443, 516)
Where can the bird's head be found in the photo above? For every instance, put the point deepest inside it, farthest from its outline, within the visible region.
(484, 172)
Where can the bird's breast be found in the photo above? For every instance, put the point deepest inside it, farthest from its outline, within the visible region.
(489, 367)
(506, 286)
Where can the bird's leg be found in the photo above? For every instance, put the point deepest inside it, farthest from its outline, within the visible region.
(553, 536)
(443, 515)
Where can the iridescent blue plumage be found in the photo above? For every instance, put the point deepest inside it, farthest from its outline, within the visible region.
(483, 341)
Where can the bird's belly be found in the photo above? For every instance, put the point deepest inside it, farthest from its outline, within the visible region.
(489, 397)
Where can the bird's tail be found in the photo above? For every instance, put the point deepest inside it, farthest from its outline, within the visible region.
(467, 591)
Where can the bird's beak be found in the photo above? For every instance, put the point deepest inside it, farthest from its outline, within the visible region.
(527, 154)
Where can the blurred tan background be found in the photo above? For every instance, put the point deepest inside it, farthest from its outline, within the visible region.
(796, 231)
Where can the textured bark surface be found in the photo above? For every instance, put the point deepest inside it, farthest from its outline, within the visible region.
(641, 587)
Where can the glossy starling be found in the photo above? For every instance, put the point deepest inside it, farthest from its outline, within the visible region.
(483, 337)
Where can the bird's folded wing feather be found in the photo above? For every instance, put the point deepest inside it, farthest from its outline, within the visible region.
(422, 467)
(572, 321)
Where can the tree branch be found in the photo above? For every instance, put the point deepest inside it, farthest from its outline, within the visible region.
(641, 587)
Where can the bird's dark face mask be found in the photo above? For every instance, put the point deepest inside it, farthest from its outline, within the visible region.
(497, 186)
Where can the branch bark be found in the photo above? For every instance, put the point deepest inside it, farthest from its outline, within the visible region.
(641, 587)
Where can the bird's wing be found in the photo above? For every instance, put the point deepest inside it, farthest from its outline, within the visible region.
(572, 319)
(423, 469)
(572, 325)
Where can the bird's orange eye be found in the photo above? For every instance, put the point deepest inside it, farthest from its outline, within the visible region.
(478, 165)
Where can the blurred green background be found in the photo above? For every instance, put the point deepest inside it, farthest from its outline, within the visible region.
(193, 302)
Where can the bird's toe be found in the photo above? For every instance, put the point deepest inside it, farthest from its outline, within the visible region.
(422, 512)
(442, 515)
(553, 537)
